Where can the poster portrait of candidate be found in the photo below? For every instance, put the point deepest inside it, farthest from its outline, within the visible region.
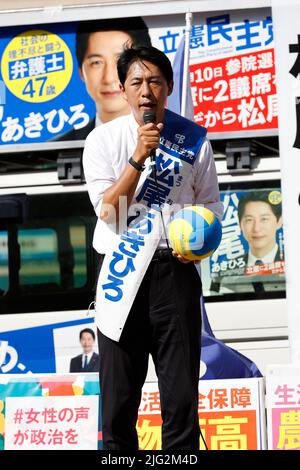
(252, 245)
(88, 360)
(98, 46)
(76, 348)
(260, 219)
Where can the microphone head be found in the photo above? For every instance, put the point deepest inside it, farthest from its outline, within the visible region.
(149, 116)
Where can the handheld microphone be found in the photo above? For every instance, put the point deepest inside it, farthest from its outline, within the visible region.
(150, 116)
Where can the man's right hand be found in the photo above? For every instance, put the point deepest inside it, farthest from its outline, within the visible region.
(148, 139)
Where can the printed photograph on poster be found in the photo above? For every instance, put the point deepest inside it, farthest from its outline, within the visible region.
(252, 244)
(76, 349)
(59, 81)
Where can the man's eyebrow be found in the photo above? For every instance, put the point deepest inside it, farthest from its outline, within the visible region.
(94, 55)
(90, 56)
(149, 78)
(261, 215)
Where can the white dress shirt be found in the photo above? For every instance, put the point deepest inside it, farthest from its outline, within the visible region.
(89, 356)
(268, 258)
(106, 153)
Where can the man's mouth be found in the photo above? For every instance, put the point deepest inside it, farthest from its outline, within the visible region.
(147, 105)
(111, 94)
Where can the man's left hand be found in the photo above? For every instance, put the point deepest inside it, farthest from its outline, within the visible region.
(182, 259)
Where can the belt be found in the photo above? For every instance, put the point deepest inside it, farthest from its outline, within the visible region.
(159, 254)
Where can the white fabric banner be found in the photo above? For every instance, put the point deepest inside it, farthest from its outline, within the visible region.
(125, 265)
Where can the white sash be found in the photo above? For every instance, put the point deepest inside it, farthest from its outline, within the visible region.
(125, 264)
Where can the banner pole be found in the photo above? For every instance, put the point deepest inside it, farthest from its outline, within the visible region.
(186, 64)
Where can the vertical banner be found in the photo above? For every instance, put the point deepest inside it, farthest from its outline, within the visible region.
(283, 407)
(287, 55)
(231, 415)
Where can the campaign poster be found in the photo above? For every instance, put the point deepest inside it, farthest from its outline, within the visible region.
(54, 412)
(231, 415)
(58, 81)
(232, 70)
(283, 407)
(48, 342)
(252, 244)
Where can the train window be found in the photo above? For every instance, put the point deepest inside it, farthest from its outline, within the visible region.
(78, 242)
(39, 256)
(249, 262)
(47, 262)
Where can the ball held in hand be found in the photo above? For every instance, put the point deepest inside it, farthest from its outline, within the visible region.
(195, 232)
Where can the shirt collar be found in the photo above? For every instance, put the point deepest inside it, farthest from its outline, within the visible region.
(268, 258)
(98, 121)
(89, 355)
(133, 124)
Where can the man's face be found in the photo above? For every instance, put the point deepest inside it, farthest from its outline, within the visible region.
(87, 342)
(146, 88)
(99, 72)
(259, 225)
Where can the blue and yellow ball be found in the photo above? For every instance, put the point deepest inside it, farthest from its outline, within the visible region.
(195, 232)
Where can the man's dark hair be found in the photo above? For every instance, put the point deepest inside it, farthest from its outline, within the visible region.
(87, 330)
(261, 196)
(141, 54)
(135, 27)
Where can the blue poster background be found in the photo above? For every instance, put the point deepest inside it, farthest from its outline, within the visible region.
(31, 349)
(74, 93)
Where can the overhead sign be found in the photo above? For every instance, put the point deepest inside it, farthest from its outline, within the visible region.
(53, 87)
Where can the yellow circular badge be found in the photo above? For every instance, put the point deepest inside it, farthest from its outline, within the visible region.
(37, 66)
(275, 197)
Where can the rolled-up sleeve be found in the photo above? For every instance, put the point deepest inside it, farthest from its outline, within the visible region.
(206, 188)
(97, 166)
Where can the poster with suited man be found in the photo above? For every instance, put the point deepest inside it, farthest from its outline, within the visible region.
(88, 361)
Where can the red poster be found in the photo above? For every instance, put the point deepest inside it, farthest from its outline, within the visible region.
(236, 93)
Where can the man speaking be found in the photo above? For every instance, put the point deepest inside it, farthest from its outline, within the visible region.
(148, 298)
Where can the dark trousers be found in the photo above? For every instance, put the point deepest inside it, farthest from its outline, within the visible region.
(165, 321)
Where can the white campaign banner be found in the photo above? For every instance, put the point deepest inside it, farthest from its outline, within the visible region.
(51, 423)
(127, 260)
(286, 14)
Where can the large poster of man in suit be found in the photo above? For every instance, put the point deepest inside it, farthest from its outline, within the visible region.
(252, 246)
(98, 46)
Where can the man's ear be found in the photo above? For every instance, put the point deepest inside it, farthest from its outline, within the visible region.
(170, 87)
(123, 91)
(279, 223)
(81, 74)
